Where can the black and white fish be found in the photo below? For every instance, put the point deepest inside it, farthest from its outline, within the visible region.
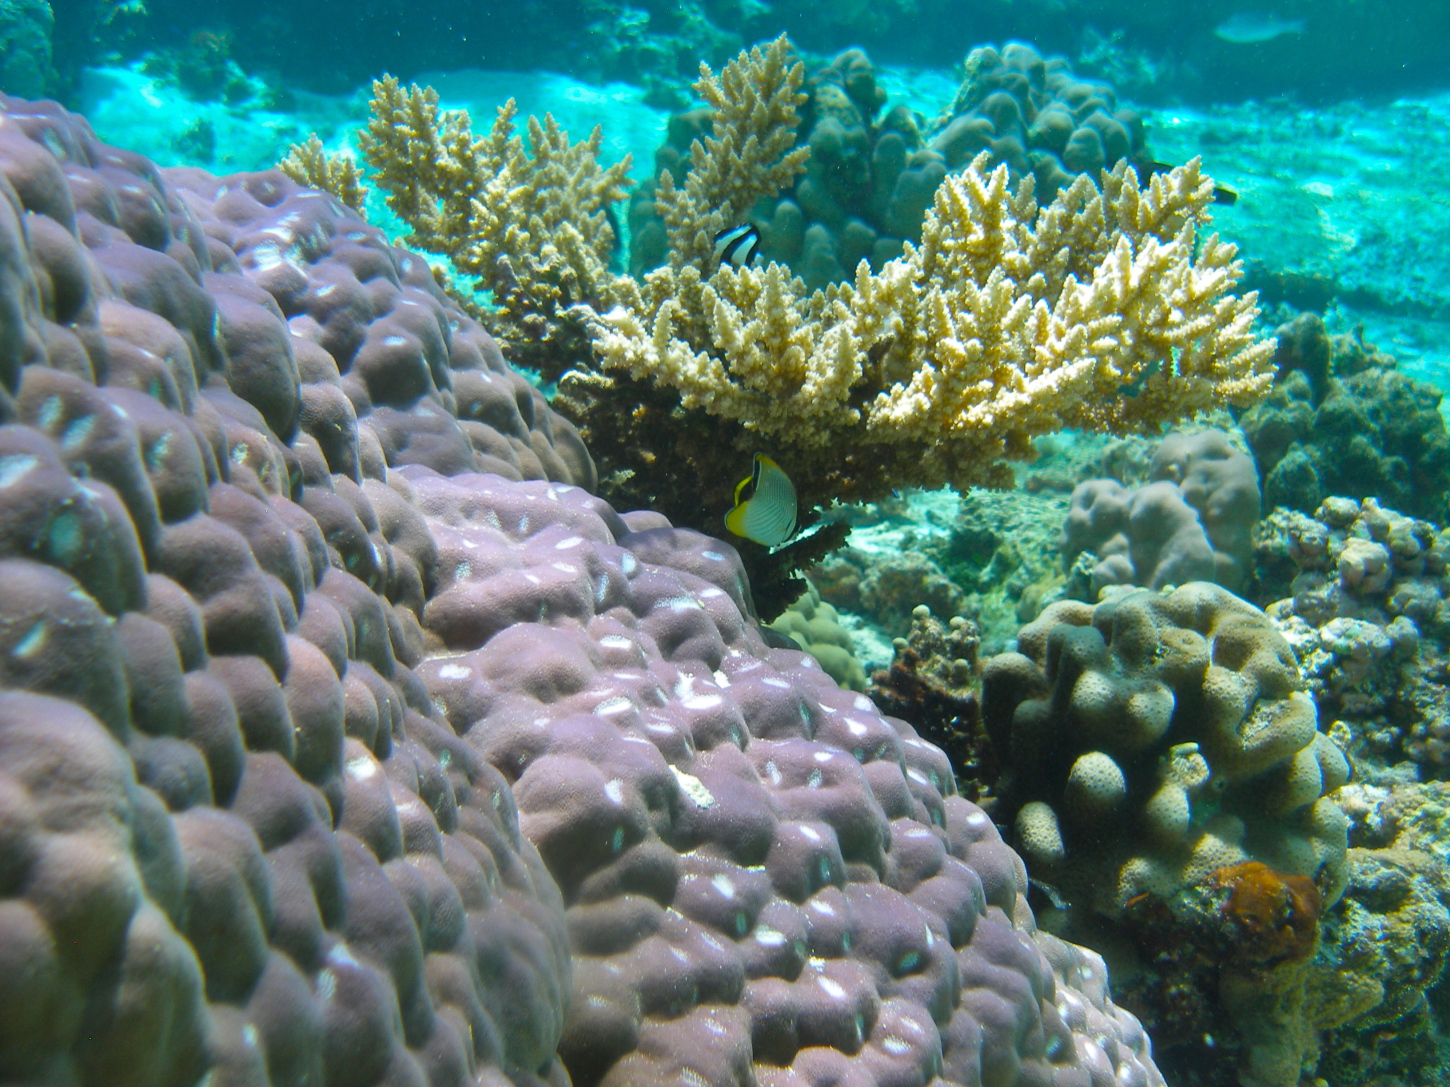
(737, 246)
(765, 504)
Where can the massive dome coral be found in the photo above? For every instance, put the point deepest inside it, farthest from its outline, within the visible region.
(346, 738)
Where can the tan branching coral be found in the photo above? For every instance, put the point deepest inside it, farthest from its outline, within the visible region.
(750, 154)
(1101, 311)
(310, 164)
(530, 222)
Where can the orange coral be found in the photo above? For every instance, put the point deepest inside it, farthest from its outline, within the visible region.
(1269, 917)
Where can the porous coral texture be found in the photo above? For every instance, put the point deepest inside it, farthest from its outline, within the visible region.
(762, 875)
(1366, 613)
(1154, 738)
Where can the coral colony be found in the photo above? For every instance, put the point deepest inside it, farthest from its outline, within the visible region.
(380, 705)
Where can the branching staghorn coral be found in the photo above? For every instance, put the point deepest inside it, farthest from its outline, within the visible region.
(750, 154)
(1006, 323)
(1103, 310)
(531, 223)
(310, 164)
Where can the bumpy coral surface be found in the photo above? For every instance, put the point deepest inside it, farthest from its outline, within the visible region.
(1366, 612)
(815, 626)
(238, 835)
(345, 739)
(1343, 421)
(1192, 521)
(1158, 737)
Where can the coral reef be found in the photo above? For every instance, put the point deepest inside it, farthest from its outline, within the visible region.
(531, 224)
(1367, 616)
(336, 751)
(240, 840)
(870, 178)
(933, 684)
(1162, 770)
(25, 32)
(1192, 521)
(1342, 420)
(813, 625)
(309, 164)
(886, 589)
(955, 356)
(1103, 310)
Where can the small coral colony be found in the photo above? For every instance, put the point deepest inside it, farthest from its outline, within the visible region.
(541, 650)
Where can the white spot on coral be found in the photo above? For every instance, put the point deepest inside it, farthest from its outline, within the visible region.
(822, 907)
(771, 681)
(32, 643)
(723, 884)
(694, 788)
(856, 727)
(832, 988)
(711, 593)
(812, 833)
(568, 542)
(616, 641)
(864, 704)
(721, 678)
(769, 937)
(611, 706)
(703, 702)
(895, 1045)
(394, 341)
(614, 789)
(454, 671)
(361, 768)
(628, 564)
(713, 556)
(976, 819)
(824, 756)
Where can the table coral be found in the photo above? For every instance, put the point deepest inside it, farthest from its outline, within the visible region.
(332, 750)
(1103, 310)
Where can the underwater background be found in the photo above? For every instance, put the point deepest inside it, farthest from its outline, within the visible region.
(384, 700)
